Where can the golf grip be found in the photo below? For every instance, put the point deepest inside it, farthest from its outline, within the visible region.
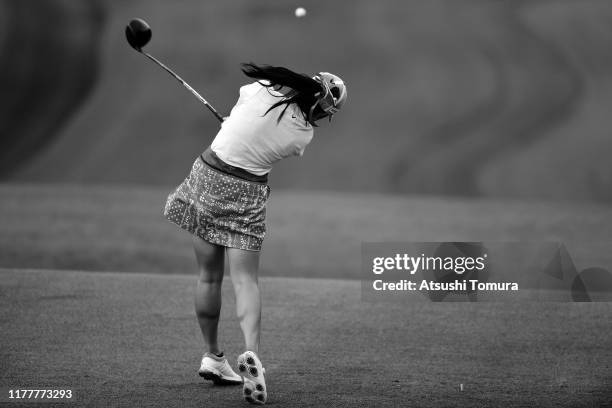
(185, 84)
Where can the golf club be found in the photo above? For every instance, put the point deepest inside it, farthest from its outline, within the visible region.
(138, 34)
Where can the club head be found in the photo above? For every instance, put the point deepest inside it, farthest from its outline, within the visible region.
(138, 33)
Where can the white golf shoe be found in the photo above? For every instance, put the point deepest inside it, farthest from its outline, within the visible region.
(218, 370)
(254, 388)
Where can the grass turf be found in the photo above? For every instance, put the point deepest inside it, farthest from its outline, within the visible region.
(467, 97)
(311, 234)
(132, 340)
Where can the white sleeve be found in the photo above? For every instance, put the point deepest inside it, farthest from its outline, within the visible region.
(249, 90)
(300, 151)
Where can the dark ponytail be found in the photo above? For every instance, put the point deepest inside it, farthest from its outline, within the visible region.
(304, 89)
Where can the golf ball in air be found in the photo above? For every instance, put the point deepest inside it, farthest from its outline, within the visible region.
(300, 12)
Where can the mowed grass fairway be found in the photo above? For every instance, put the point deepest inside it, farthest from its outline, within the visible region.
(131, 339)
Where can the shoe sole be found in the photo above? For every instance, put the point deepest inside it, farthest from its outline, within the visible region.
(217, 379)
(254, 389)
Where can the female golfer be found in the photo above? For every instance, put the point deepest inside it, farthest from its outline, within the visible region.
(222, 202)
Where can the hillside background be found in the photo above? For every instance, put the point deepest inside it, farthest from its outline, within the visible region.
(470, 98)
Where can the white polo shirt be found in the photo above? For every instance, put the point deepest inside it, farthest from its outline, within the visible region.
(254, 141)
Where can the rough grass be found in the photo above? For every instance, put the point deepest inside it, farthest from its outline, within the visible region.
(497, 98)
(311, 234)
(46, 74)
(132, 340)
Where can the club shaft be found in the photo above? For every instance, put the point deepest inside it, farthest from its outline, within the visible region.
(185, 84)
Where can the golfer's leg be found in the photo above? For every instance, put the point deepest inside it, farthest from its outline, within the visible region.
(210, 259)
(243, 266)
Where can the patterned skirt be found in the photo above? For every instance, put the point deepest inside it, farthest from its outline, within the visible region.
(220, 208)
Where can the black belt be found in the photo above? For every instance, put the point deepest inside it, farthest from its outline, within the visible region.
(209, 157)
